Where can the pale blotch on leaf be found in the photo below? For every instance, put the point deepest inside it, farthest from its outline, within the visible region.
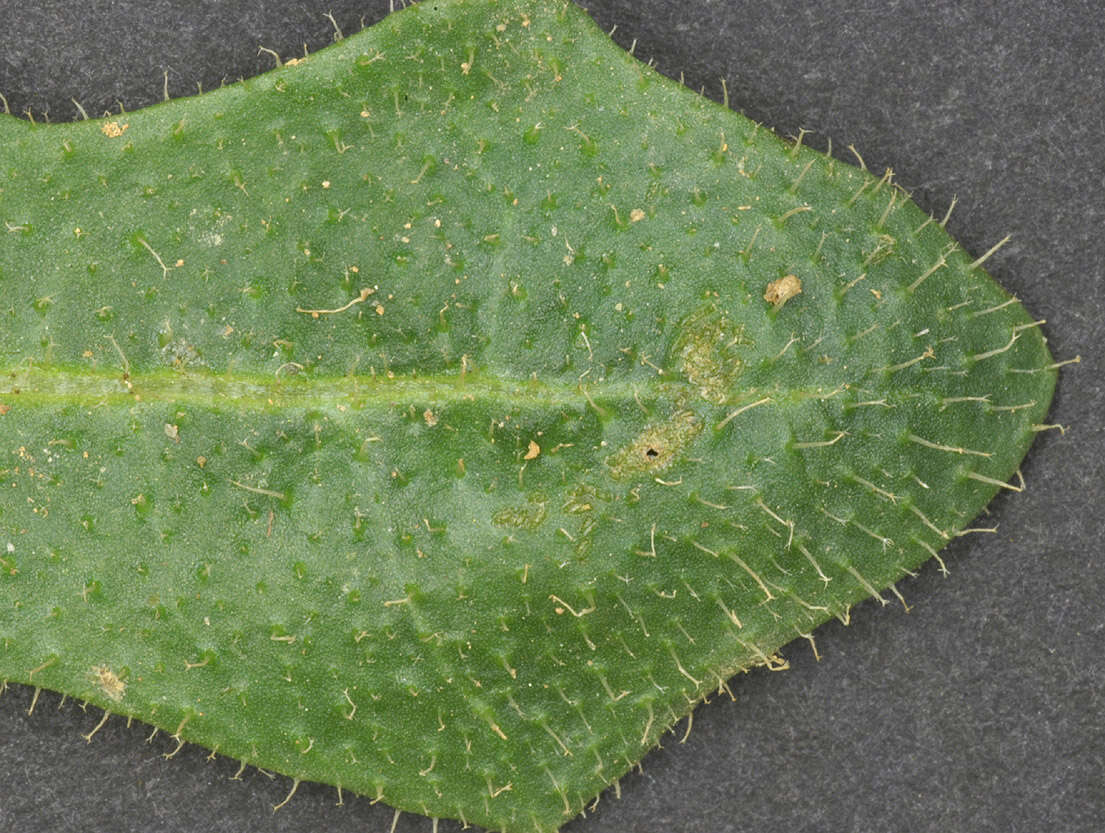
(706, 356)
(656, 447)
(113, 130)
(108, 682)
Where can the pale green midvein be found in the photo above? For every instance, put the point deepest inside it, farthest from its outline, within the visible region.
(212, 390)
(87, 388)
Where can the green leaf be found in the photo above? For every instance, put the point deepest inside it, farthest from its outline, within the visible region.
(444, 415)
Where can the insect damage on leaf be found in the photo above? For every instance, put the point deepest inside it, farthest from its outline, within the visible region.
(635, 394)
(656, 447)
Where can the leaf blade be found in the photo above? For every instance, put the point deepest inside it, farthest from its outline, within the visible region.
(730, 397)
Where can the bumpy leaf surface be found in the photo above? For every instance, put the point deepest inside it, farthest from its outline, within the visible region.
(444, 415)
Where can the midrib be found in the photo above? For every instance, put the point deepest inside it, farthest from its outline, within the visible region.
(61, 386)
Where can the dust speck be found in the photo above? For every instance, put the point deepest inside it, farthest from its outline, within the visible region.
(780, 291)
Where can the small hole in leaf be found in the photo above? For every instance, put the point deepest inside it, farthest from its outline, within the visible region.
(652, 452)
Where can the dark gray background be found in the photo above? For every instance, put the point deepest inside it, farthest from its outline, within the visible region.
(982, 709)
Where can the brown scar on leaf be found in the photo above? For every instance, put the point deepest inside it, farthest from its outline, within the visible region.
(533, 450)
(108, 682)
(780, 291)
